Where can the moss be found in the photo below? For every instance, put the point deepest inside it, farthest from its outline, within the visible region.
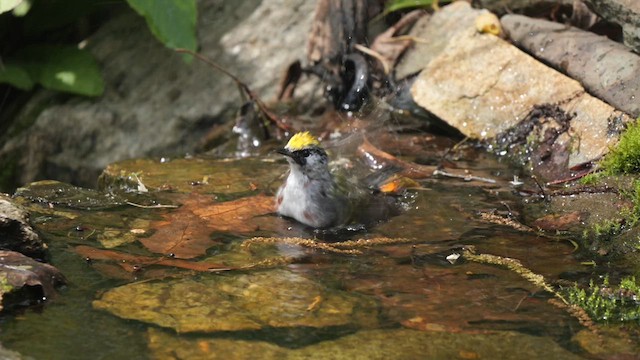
(625, 157)
(604, 302)
(5, 287)
(592, 179)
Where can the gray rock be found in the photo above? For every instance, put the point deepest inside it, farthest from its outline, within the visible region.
(154, 103)
(607, 69)
(484, 86)
(626, 13)
(15, 231)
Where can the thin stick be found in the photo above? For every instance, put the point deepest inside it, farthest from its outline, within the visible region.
(277, 121)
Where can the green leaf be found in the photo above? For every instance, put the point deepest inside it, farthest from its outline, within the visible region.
(173, 22)
(62, 68)
(15, 75)
(397, 5)
(8, 5)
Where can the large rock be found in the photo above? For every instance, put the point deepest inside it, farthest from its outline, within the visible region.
(15, 231)
(253, 301)
(372, 344)
(607, 69)
(154, 103)
(484, 86)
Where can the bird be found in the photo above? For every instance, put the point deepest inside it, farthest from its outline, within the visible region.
(316, 197)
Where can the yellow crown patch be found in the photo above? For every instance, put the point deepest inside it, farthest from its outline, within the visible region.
(301, 140)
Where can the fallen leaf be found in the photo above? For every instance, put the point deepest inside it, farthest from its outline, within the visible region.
(182, 232)
(238, 216)
(387, 47)
(133, 263)
(186, 231)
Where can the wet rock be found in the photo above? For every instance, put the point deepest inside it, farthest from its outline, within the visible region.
(269, 299)
(560, 222)
(607, 69)
(154, 103)
(626, 13)
(54, 193)
(187, 175)
(374, 344)
(15, 231)
(24, 281)
(509, 85)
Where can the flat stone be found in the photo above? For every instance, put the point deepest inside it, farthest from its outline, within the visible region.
(624, 12)
(605, 68)
(268, 299)
(483, 86)
(366, 345)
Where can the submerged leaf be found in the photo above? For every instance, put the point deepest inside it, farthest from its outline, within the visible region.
(186, 232)
(132, 263)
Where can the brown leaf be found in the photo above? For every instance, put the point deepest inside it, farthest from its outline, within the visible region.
(238, 216)
(389, 48)
(132, 263)
(182, 233)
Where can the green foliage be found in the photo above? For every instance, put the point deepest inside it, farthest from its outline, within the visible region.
(16, 75)
(396, 5)
(34, 60)
(625, 157)
(62, 68)
(608, 303)
(173, 22)
(592, 178)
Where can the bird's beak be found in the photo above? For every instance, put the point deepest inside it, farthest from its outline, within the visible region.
(284, 152)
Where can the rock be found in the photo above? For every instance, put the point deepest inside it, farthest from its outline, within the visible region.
(24, 281)
(626, 13)
(154, 103)
(268, 299)
(607, 69)
(508, 87)
(371, 344)
(439, 30)
(15, 231)
(518, 6)
(55, 193)
(185, 175)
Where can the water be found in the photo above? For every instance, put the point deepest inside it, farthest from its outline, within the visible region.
(403, 298)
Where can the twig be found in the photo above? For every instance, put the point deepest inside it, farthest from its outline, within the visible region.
(464, 177)
(277, 121)
(158, 206)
